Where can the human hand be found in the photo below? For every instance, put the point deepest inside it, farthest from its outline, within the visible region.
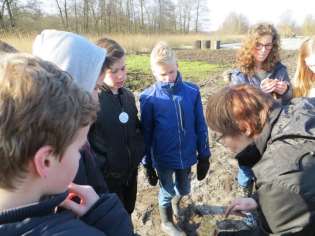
(88, 197)
(281, 87)
(240, 206)
(268, 85)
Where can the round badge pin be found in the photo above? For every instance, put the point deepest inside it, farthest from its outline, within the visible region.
(123, 117)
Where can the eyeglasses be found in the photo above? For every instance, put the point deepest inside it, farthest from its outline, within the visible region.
(267, 46)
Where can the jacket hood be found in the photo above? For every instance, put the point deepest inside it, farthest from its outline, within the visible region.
(171, 87)
(296, 119)
(73, 53)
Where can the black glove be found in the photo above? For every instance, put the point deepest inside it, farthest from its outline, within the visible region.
(202, 168)
(151, 175)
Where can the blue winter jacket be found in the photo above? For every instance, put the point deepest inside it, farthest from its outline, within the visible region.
(174, 126)
(279, 72)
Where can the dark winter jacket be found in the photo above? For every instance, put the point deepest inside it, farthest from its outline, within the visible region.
(285, 172)
(174, 126)
(119, 146)
(88, 172)
(279, 72)
(106, 217)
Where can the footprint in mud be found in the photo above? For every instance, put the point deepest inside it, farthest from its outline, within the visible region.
(147, 215)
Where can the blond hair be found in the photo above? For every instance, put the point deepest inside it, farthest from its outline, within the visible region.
(245, 60)
(162, 54)
(39, 105)
(304, 78)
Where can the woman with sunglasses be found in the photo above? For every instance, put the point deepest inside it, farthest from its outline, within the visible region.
(258, 64)
(304, 80)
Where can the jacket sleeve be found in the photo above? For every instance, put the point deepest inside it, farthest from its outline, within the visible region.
(109, 216)
(201, 130)
(88, 172)
(237, 78)
(147, 122)
(283, 210)
(282, 74)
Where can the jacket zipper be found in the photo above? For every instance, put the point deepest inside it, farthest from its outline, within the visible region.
(179, 136)
(126, 140)
(181, 116)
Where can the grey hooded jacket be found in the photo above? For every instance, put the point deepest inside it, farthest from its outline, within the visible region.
(73, 53)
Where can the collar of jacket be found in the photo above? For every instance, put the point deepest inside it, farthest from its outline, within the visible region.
(107, 89)
(251, 154)
(166, 86)
(36, 209)
(271, 73)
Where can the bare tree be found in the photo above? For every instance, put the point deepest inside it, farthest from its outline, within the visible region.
(63, 12)
(287, 25)
(235, 24)
(107, 15)
(141, 12)
(6, 6)
(197, 15)
(201, 13)
(308, 26)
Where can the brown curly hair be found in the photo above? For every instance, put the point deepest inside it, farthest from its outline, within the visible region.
(245, 60)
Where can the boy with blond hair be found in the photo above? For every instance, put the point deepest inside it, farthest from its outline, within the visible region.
(175, 133)
(44, 120)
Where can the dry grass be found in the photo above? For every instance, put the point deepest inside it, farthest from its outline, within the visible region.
(132, 43)
(144, 43)
(22, 42)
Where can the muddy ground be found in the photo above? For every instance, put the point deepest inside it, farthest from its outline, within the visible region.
(204, 206)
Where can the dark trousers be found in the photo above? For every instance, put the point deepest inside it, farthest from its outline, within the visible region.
(126, 190)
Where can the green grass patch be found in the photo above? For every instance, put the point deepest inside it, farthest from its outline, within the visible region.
(138, 63)
(140, 76)
(197, 71)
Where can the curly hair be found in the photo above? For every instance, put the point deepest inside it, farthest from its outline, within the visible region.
(245, 60)
(304, 78)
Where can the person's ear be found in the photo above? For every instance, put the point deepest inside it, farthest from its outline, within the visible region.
(246, 129)
(43, 160)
